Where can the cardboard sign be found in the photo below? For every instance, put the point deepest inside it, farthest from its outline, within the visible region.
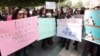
(17, 34)
(47, 27)
(50, 5)
(92, 25)
(70, 28)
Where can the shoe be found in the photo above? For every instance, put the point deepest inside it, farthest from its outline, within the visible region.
(67, 48)
(73, 44)
(75, 48)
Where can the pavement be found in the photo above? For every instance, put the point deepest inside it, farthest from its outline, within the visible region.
(56, 50)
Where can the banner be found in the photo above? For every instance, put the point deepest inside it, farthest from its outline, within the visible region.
(50, 5)
(17, 34)
(47, 27)
(92, 25)
(79, 16)
(70, 28)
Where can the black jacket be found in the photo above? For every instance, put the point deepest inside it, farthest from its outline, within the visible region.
(2, 18)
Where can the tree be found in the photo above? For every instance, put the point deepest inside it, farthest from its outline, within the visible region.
(78, 4)
(68, 2)
(24, 2)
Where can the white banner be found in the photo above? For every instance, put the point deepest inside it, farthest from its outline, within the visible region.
(50, 5)
(70, 28)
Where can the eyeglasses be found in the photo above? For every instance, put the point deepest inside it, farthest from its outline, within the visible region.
(20, 13)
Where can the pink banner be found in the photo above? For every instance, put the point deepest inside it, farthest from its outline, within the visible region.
(16, 34)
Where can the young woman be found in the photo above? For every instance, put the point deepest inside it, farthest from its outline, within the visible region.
(50, 14)
(43, 13)
(19, 14)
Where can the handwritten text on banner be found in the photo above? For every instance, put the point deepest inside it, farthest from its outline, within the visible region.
(70, 28)
(17, 34)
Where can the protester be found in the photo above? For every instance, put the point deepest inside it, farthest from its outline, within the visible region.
(2, 18)
(97, 7)
(77, 11)
(42, 13)
(6, 12)
(19, 14)
(82, 11)
(50, 14)
(68, 15)
(26, 12)
(34, 12)
(60, 13)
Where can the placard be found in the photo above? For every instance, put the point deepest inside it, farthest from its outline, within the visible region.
(17, 34)
(50, 5)
(47, 27)
(70, 28)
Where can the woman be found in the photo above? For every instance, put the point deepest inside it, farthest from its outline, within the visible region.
(6, 13)
(57, 13)
(77, 11)
(19, 14)
(43, 13)
(82, 11)
(26, 12)
(50, 14)
(62, 16)
(65, 41)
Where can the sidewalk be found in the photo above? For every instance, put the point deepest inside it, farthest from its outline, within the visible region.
(56, 50)
(71, 51)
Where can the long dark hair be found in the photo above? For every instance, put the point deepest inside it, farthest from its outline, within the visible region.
(40, 12)
(15, 13)
(28, 14)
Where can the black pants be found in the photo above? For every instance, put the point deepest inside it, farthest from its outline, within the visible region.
(98, 50)
(46, 41)
(22, 52)
(63, 41)
(68, 41)
(75, 43)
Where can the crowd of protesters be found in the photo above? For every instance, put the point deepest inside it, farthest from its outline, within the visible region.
(64, 12)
